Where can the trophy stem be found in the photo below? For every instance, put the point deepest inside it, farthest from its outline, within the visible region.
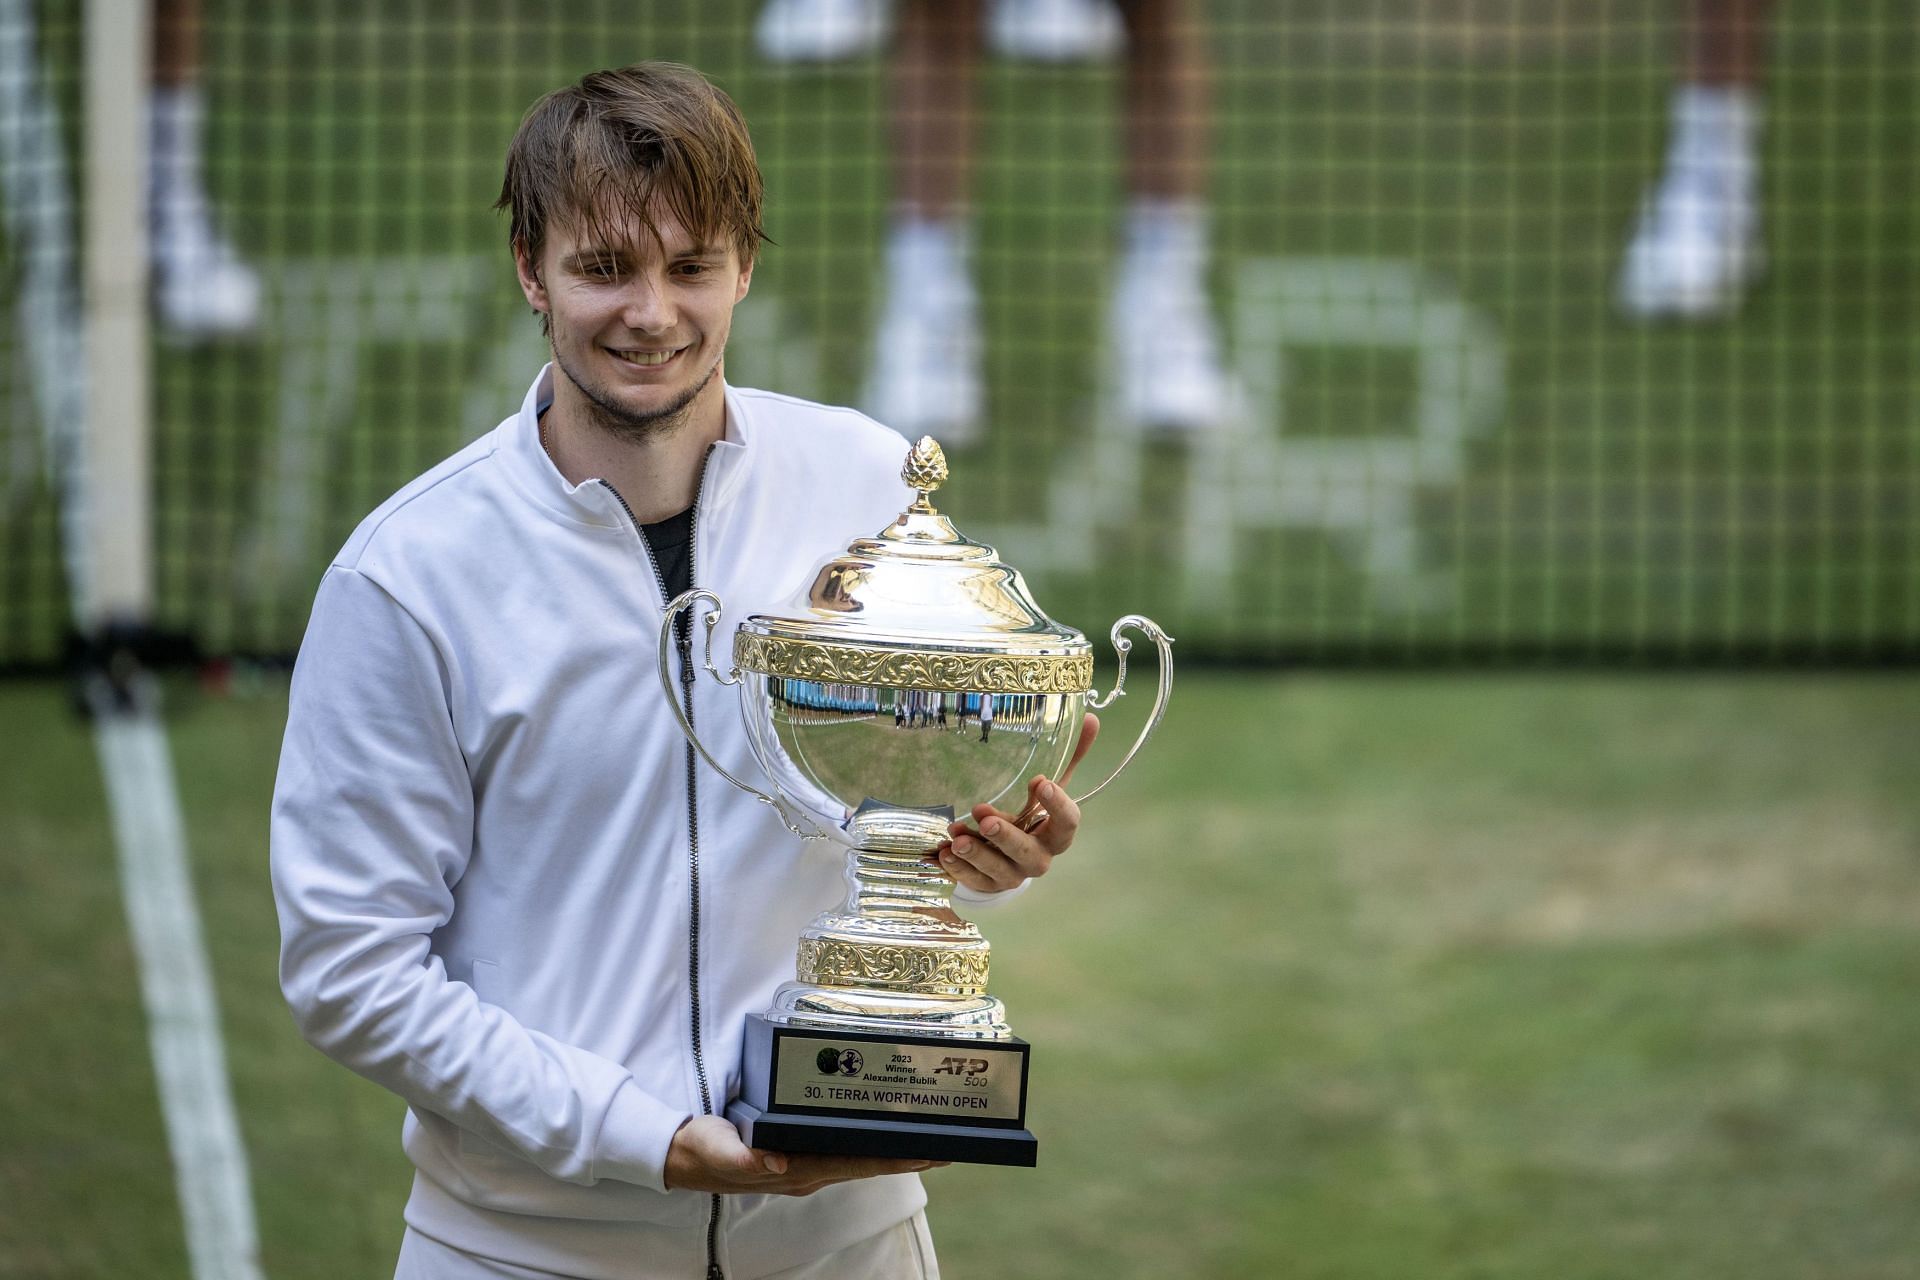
(894, 954)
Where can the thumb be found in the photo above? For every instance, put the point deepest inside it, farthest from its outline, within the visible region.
(1089, 730)
(723, 1148)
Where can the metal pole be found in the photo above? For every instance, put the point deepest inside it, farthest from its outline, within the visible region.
(114, 250)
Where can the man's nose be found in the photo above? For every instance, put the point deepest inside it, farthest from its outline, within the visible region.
(648, 306)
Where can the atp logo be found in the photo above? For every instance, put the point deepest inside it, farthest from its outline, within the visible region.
(839, 1062)
(960, 1067)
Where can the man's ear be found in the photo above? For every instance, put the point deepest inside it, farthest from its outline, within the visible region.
(528, 272)
(744, 283)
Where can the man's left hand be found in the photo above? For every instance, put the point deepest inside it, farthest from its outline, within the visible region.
(1001, 849)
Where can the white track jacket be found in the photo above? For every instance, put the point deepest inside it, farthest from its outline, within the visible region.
(506, 890)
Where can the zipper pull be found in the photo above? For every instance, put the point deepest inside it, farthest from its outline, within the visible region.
(685, 643)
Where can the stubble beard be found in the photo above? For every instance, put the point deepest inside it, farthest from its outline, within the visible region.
(629, 425)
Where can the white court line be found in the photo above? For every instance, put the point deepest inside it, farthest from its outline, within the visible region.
(183, 1028)
(176, 983)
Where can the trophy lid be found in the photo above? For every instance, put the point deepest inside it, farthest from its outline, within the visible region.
(918, 606)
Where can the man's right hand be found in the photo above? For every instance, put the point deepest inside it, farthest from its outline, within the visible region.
(707, 1155)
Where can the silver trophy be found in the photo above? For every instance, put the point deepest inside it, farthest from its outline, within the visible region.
(912, 678)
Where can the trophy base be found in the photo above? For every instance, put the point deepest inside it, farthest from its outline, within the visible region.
(825, 1091)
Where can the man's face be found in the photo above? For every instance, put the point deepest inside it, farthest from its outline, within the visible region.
(638, 328)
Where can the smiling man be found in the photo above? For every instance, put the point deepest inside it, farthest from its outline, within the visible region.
(507, 890)
(638, 327)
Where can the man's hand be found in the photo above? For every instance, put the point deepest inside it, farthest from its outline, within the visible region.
(707, 1155)
(1004, 849)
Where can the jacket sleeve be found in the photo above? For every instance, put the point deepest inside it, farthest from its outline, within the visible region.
(372, 826)
(975, 898)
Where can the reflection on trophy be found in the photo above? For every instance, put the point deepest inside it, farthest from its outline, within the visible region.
(911, 679)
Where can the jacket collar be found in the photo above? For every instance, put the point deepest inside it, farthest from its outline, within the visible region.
(591, 503)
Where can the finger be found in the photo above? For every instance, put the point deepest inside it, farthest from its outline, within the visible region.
(1063, 816)
(879, 1168)
(980, 866)
(1029, 853)
(1005, 836)
(958, 827)
(821, 1170)
(1036, 817)
(857, 1170)
(965, 876)
(1037, 820)
(800, 1190)
(1089, 731)
(722, 1149)
(1035, 814)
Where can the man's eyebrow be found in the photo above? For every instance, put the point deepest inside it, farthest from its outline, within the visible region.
(591, 254)
(595, 254)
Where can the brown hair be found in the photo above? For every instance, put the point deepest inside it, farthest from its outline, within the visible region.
(627, 144)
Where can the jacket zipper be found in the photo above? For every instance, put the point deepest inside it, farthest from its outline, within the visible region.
(683, 641)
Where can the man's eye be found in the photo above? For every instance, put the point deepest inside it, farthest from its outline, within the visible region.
(694, 268)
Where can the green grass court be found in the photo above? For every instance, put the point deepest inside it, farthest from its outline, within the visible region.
(1458, 977)
(1489, 977)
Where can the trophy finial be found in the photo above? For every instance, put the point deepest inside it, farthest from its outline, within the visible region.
(925, 471)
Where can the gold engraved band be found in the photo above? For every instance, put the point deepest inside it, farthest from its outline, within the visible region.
(925, 970)
(837, 662)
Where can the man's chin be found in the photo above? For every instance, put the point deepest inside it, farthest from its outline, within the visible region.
(638, 413)
(634, 414)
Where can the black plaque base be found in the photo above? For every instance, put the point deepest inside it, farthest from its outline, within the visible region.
(808, 1090)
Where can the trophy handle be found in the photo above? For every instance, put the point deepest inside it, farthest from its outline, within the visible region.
(1121, 646)
(679, 605)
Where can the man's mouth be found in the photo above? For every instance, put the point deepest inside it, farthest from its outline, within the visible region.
(646, 359)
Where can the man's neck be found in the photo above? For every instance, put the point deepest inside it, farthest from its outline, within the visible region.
(658, 475)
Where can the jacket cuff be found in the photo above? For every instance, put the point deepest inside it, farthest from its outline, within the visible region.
(973, 897)
(634, 1138)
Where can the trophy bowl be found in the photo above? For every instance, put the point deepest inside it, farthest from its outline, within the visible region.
(910, 679)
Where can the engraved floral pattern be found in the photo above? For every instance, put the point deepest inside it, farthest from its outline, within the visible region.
(904, 968)
(913, 668)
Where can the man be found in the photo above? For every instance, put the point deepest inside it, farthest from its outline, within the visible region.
(927, 372)
(201, 285)
(1040, 30)
(1695, 249)
(506, 891)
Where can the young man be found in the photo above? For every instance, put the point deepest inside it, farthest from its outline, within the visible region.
(202, 287)
(1040, 30)
(928, 370)
(506, 891)
(1696, 249)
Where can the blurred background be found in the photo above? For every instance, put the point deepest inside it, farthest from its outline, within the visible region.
(1513, 406)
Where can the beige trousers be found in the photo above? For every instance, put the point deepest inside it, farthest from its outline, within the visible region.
(903, 1252)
